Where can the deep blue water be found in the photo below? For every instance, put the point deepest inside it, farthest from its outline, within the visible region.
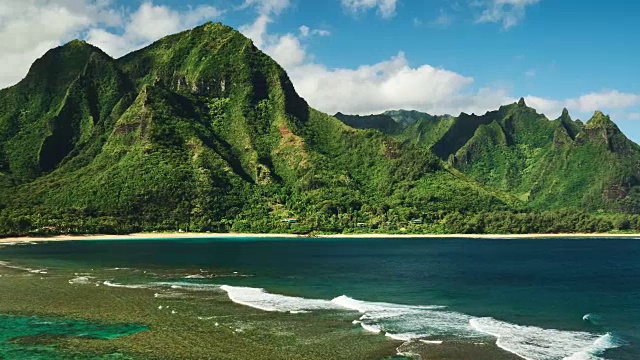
(544, 284)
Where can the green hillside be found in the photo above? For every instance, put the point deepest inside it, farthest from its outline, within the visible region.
(381, 122)
(201, 131)
(547, 164)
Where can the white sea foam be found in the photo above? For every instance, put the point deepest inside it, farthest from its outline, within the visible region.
(408, 322)
(432, 342)
(598, 348)
(197, 276)
(127, 286)
(417, 323)
(169, 295)
(81, 280)
(594, 319)
(181, 285)
(260, 299)
(22, 268)
(533, 343)
(298, 312)
(372, 328)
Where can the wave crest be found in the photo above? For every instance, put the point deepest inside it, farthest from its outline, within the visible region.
(533, 343)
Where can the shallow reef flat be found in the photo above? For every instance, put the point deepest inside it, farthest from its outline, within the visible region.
(193, 323)
(198, 325)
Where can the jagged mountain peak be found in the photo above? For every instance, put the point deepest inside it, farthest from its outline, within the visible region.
(599, 119)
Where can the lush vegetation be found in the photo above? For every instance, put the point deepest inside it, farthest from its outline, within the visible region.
(547, 164)
(203, 132)
(381, 122)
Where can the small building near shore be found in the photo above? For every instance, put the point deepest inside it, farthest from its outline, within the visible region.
(290, 220)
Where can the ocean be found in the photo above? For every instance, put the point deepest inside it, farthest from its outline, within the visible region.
(539, 299)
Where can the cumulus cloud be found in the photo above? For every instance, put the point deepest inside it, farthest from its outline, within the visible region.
(148, 23)
(604, 100)
(507, 12)
(394, 83)
(21, 29)
(388, 84)
(306, 31)
(29, 28)
(267, 7)
(375, 88)
(386, 8)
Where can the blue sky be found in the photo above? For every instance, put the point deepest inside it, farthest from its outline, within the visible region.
(366, 56)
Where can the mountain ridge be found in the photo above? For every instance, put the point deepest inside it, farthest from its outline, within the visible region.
(202, 131)
(517, 150)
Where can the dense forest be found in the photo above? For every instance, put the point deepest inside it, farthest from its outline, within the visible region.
(201, 131)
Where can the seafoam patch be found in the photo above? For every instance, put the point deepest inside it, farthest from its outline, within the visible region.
(533, 343)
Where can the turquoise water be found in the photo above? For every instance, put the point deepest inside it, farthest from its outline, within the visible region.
(541, 299)
(32, 338)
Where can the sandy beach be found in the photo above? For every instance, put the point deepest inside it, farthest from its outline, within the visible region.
(184, 235)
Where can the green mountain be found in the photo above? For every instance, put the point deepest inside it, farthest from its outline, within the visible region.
(548, 164)
(201, 131)
(407, 117)
(392, 122)
(381, 122)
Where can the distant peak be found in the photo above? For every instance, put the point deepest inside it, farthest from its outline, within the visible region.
(76, 42)
(599, 119)
(521, 102)
(565, 115)
(76, 46)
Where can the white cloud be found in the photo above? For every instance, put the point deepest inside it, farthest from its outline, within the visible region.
(608, 99)
(507, 12)
(386, 8)
(306, 31)
(149, 23)
(267, 7)
(29, 28)
(388, 84)
(585, 104)
(286, 49)
(375, 88)
(394, 83)
(634, 116)
(443, 20)
(530, 73)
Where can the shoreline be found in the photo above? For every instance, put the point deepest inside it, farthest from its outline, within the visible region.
(183, 235)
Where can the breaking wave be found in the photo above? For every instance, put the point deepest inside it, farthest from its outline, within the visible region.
(260, 299)
(22, 268)
(429, 324)
(409, 323)
(533, 343)
(127, 286)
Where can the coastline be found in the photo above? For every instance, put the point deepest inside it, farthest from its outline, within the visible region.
(184, 235)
